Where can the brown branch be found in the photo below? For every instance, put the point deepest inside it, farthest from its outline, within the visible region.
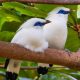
(47, 1)
(51, 56)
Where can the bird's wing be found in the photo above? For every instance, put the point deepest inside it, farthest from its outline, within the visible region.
(32, 39)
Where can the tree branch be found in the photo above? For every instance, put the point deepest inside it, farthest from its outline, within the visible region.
(51, 56)
(46, 1)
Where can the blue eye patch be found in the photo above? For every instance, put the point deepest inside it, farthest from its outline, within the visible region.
(39, 24)
(63, 12)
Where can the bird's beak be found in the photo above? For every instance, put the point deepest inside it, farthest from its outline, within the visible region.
(47, 21)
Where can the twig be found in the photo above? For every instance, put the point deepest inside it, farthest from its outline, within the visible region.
(60, 2)
(31, 68)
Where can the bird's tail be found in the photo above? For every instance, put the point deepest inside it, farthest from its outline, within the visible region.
(13, 68)
(43, 68)
(6, 63)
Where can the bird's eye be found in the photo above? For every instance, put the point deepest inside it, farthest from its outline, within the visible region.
(63, 12)
(39, 24)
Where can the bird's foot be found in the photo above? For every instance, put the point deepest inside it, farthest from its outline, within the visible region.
(68, 51)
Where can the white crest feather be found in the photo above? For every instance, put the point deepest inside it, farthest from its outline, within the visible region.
(54, 11)
(53, 14)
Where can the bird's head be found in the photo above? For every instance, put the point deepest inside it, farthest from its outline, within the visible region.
(59, 12)
(34, 23)
(37, 22)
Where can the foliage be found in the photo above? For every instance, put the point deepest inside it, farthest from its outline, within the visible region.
(13, 14)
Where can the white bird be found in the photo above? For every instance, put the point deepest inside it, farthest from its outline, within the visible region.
(55, 32)
(29, 35)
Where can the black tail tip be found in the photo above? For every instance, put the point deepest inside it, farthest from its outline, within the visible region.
(6, 63)
(11, 76)
(42, 70)
(50, 65)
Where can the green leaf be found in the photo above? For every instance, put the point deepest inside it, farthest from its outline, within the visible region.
(55, 76)
(46, 7)
(11, 26)
(24, 9)
(78, 14)
(78, 11)
(2, 21)
(7, 16)
(73, 41)
(6, 36)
